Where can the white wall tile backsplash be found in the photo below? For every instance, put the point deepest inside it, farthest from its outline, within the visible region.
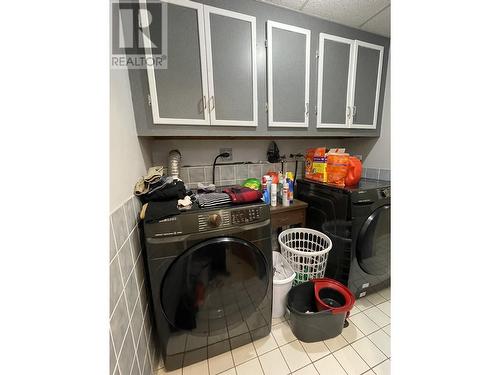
(234, 173)
(132, 346)
(237, 173)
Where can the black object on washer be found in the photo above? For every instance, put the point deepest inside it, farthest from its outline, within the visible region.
(357, 219)
(210, 276)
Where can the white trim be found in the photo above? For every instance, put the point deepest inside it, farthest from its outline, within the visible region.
(350, 42)
(152, 79)
(307, 33)
(357, 44)
(244, 17)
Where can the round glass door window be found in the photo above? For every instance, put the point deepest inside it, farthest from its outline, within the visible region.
(373, 249)
(216, 284)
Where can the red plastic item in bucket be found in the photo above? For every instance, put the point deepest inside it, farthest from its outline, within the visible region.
(328, 292)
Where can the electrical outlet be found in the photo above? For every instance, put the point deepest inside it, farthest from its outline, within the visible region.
(230, 151)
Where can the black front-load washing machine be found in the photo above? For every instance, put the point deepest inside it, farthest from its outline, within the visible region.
(210, 276)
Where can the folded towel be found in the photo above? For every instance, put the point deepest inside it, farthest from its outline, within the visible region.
(213, 199)
(240, 194)
(154, 174)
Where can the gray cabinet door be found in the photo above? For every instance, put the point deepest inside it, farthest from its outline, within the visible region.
(232, 67)
(179, 92)
(334, 81)
(288, 59)
(366, 89)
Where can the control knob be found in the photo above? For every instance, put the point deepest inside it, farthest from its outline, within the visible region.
(214, 220)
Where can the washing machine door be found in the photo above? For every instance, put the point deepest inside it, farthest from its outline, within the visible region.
(216, 283)
(373, 248)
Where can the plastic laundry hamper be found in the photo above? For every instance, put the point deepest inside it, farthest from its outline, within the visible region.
(283, 276)
(307, 252)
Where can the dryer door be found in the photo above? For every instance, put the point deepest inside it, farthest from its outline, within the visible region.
(373, 248)
(216, 284)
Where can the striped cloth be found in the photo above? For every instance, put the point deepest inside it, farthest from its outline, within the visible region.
(213, 199)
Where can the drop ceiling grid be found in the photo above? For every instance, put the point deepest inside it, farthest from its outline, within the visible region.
(368, 15)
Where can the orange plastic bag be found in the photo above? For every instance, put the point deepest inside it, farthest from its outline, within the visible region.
(336, 168)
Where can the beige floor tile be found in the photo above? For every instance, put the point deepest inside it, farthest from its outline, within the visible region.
(351, 361)
(282, 333)
(308, 370)
(329, 366)
(295, 355)
(370, 372)
(336, 343)
(383, 369)
(278, 320)
(220, 363)
(385, 307)
(251, 367)
(365, 324)
(231, 371)
(244, 353)
(354, 310)
(369, 352)
(382, 340)
(200, 368)
(163, 371)
(352, 333)
(316, 350)
(375, 314)
(387, 329)
(273, 363)
(386, 293)
(265, 344)
(363, 303)
(375, 298)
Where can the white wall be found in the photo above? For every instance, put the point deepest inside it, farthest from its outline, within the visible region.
(129, 156)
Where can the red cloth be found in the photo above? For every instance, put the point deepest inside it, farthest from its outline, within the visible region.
(242, 194)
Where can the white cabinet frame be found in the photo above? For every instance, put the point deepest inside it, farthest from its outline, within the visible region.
(212, 94)
(270, 26)
(151, 74)
(321, 56)
(358, 43)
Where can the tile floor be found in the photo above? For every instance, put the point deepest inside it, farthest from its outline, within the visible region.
(363, 348)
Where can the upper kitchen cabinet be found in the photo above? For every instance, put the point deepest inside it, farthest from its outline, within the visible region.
(211, 74)
(349, 80)
(241, 68)
(334, 81)
(179, 94)
(232, 67)
(367, 76)
(288, 59)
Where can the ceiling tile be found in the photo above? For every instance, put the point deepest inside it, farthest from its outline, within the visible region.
(380, 24)
(347, 12)
(293, 4)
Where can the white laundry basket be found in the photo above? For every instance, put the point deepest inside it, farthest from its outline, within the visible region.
(307, 252)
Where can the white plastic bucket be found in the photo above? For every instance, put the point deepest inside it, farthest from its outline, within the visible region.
(283, 276)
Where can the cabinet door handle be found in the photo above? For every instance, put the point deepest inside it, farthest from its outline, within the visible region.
(204, 102)
(211, 100)
(307, 108)
(353, 111)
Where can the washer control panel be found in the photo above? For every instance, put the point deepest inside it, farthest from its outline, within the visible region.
(245, 216)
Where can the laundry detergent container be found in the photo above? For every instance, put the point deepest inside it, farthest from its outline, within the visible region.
(318, 309)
